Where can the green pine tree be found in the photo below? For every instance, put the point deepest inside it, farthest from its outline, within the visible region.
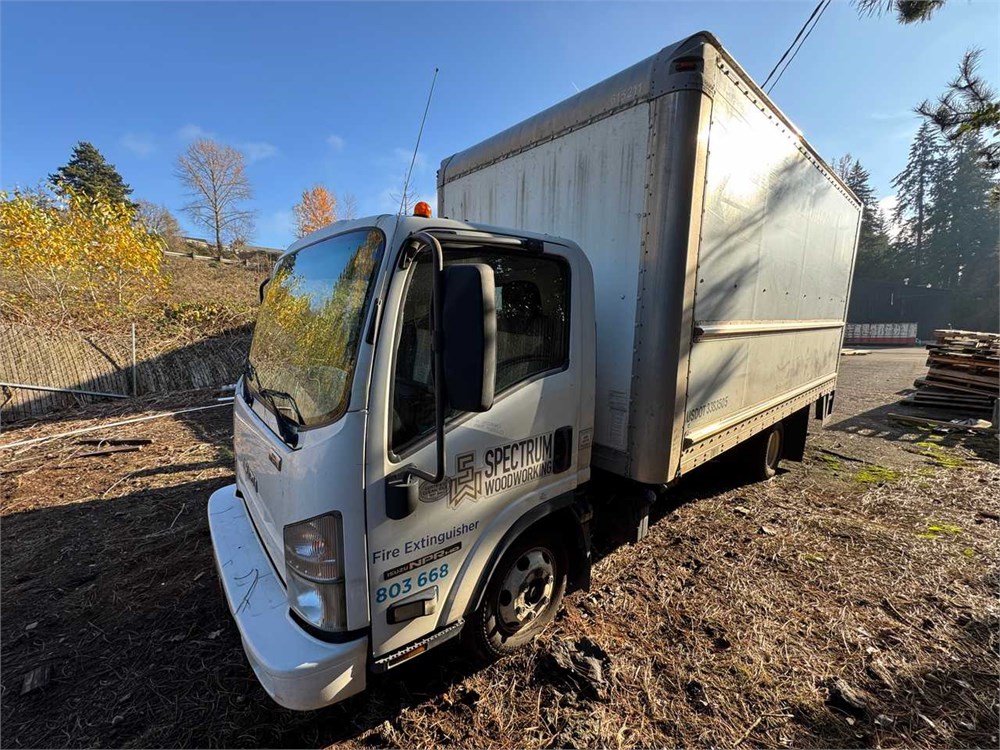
(941, 266)
(89, 173)
(875, 257)
(964, 235)
(913, 187)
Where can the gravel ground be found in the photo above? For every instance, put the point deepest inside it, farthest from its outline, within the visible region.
(851, 601)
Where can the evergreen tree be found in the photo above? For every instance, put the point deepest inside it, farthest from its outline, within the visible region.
(941, 266)
(962, 245)
(913, 187)
(965, 240)
(89, 174)
(875, 259)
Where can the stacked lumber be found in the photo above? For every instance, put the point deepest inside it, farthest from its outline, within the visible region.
(963, 372)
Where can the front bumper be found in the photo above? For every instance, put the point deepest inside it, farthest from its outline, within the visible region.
(300, 672)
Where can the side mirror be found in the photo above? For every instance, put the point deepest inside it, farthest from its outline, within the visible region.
(469, 328)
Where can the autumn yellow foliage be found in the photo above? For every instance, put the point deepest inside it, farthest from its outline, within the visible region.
(317, 209)
(77, 253)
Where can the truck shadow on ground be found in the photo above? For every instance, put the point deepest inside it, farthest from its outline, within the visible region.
(121, 612)
(121, 609)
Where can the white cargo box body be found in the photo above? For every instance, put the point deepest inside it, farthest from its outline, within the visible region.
(722, 248)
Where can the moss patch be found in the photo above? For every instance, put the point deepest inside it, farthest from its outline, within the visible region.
(935, 530)
(944, 528)
(940, 456)
(876, 475)
(834, 463)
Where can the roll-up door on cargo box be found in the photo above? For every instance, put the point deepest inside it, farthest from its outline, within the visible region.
(587, 186)
(777, 239)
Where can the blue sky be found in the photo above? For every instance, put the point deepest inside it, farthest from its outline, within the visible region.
(333, 92)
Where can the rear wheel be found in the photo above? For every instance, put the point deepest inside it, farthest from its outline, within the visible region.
(763, 453)
(521, 598)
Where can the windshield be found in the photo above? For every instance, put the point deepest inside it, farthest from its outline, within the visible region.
(306, 338)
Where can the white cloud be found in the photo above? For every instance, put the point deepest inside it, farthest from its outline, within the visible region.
(336, 142)
(191, 132)
(254, 150)
(140, 145)
(258, 150)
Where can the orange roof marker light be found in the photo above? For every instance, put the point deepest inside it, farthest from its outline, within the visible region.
(422, 209)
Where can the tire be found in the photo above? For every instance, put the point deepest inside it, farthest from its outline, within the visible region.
(529, 582)
(763, 453)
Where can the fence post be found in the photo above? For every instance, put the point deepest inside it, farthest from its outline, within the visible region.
(135, 390)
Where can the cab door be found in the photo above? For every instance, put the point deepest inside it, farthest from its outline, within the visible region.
(499, 463)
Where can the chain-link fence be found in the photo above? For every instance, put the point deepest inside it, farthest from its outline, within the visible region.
(105, 363)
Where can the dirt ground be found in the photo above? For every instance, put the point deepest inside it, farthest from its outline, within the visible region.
(851, 601)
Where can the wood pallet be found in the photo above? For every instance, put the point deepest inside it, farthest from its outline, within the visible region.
(963, 372)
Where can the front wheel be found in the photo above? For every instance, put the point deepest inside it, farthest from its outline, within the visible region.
(522, 597)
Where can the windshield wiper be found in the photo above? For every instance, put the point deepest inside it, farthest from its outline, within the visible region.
(286, 427)
(273, 394)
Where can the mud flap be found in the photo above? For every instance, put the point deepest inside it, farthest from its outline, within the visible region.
(639, 505)
(796, 428)
(824, 406)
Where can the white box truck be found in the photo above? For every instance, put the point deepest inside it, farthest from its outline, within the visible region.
(431, 408)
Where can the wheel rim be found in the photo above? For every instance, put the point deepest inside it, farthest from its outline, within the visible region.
(773, 448)
(527, 589)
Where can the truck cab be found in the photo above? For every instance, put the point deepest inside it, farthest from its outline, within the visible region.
(417, 405)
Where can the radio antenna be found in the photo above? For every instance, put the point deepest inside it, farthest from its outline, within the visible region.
(406, 183)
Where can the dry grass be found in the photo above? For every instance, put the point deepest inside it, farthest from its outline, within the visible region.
(729, 625)
(201, 298)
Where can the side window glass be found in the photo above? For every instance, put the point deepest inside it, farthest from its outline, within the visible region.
(532, 300)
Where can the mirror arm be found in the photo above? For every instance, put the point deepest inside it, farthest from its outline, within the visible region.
(437, 294)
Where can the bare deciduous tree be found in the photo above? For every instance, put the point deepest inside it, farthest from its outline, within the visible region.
(215, 177)
(842, 165)
(405, 200)
(348, 206)
(159, 221)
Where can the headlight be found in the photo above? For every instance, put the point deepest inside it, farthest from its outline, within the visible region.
(315, 571)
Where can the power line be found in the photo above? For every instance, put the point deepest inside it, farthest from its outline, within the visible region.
(771, 88)
(820, 7)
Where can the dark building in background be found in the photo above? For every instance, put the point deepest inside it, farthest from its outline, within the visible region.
(894, 302)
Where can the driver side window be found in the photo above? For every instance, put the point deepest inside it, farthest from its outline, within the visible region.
(532, 302)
